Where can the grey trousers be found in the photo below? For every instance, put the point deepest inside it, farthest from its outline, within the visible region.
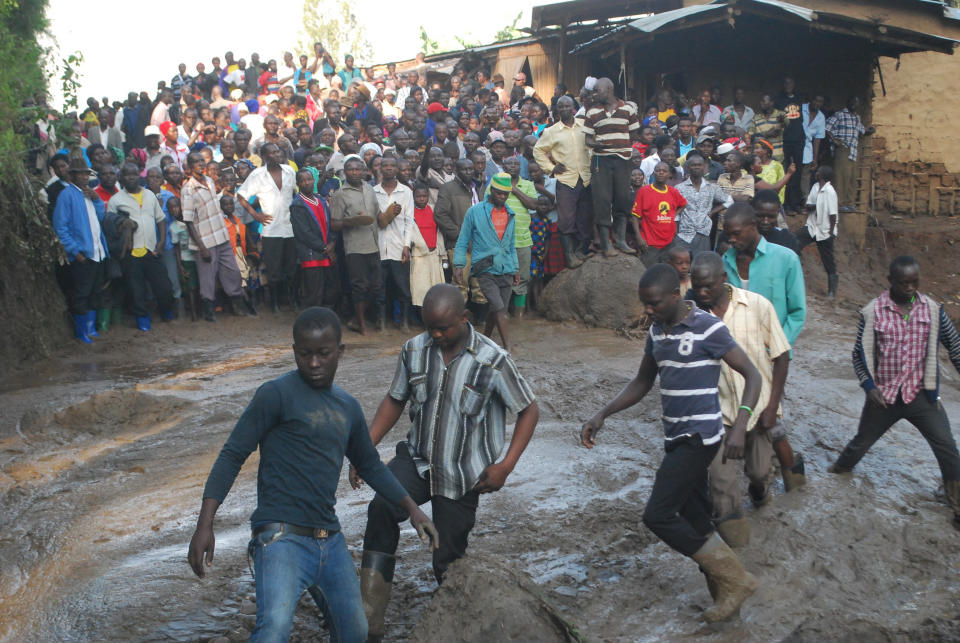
(222, 265)
(170, 263)
(724, 481)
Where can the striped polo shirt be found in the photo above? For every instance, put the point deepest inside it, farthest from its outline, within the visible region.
(612, 129)
(688, 357)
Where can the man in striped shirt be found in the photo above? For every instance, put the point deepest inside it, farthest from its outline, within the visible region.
(460, 385)
(609, 129)
(686, 347)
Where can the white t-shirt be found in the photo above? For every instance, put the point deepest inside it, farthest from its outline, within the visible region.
(825, 200)
(274, 201)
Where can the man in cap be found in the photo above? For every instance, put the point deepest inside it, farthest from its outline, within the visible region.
(389, 104)
(488, 230)
(362, 112)
(76, 220)
(151, 147)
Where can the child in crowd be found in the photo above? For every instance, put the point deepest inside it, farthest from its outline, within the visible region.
(427, 250)
(540, 233)
(186, 263)
(238, 241)
(680, 258)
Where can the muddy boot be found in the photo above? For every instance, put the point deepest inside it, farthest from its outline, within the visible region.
(405, 322)
(836, 468)
(760, 496)
(237, 307)
(952, 489)
(620, 236)
(275, 298)
(209, 310)
(376, 579)
(386, 312)
(795, 477)
(519, 306)
(92, 323)
(80, 328)
(604, 242)
(569, 254)
(735, 531)
(713, 589)
(832, 282)
(103, 320)
(734, 584)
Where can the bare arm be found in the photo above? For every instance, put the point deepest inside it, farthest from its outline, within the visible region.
(738, 361)
(203, 541)
(768, 417)
(495, 475)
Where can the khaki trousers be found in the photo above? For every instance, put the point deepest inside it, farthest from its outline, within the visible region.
(723, 477)
(845, 172)
(469, 287)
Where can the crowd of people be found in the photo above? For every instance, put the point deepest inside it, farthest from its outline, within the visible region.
(396, 200)
(302, 184)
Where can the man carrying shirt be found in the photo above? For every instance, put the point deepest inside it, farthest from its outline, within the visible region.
(303, 425)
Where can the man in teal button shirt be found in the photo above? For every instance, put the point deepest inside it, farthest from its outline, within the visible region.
(754, 264)
(773, 271)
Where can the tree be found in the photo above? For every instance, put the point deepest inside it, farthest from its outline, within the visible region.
(510, 32)
(333, 23)
(427, 46)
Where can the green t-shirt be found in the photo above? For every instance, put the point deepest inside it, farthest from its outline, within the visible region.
(520, 212)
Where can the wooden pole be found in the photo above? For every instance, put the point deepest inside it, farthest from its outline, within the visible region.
(563, 51)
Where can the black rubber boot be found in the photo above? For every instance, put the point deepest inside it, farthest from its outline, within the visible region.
(209, 309)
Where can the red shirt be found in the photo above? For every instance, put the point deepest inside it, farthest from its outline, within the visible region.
(320, 215)
(103, 194)
(499, 218)
(427, 225)
(657, 211)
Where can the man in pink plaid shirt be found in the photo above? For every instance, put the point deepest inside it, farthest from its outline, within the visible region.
(895, 358)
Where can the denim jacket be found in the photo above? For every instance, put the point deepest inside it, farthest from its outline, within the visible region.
(478, 231)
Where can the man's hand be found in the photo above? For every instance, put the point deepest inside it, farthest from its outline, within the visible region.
(642, 245)
(588, 434)
(405, 255)
(792, 169)
(734, 446)
(425, 529)
(201, 550)
(559, 168)
(875, 396)
(492, 478)
(90, 194)
(158, 250)
(331, 251)
(767, 419)
(516, 279)
(262, 218)
(205, 255)
(80, 257)
(355, 481)
(458, 275)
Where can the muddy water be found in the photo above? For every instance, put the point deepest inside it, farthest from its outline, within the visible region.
(103, 458)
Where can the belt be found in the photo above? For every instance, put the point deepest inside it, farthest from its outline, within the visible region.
(309, 532)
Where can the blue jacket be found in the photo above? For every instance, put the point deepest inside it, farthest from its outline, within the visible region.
(477, 230)
(72, 224)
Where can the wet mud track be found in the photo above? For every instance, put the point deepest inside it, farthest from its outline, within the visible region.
(103, 456)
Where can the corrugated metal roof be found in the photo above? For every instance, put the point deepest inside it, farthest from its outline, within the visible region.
(649, 24)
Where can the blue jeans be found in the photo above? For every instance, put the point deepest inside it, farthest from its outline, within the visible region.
(285, 564)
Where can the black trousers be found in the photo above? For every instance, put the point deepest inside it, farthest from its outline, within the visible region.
(279, 258)
(793, 153)
(319, 286)
(679, 509)
(929, 418)
(140, 271)
(825, 248)
(364, 273)
(453, 518)
(395, 281)
(610, 186)
(86, 283)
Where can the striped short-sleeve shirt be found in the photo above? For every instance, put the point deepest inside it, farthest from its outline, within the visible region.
(688, 357)
(611, 130)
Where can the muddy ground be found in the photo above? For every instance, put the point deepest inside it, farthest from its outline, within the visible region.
(104, 451)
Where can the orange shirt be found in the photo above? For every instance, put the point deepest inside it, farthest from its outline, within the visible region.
(238, 232)
(499, 217)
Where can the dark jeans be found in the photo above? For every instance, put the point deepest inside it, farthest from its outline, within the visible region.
(86, 283)
(679, 509)
(319, 286)
(140, 271)
(364, 272)
(279, 258)
(575, 211)
(793, 153)
(825, 248)
(395, 281)
(929, 418)
(610, 185)
(454, 518)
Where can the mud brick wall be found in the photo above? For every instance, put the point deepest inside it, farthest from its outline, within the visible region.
(917, 145)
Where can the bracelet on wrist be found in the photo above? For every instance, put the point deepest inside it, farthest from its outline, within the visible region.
(747, 409)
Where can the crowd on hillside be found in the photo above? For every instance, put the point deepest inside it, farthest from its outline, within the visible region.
(263, 185)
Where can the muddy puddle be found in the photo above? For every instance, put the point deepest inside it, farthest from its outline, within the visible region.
(103, 458)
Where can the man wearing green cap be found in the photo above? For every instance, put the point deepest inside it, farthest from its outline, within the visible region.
(489, 228)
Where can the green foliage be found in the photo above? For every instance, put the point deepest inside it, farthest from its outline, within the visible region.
(427, 46)
(510, 32)
(467, 44)
(333, 23)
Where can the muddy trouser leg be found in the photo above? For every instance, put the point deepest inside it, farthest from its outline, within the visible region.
(874, 422)
(285, 564)
(155, 274)
(675, 503)
(523, 267)
(312, 286)
(602, 185)
(931, 420)
(825, 248)
(584, 216)
(87, 281)
(844, 169)
(724, 485)
(454, 520)
(623, 195)
(758, 462)
(207, 274)
(227, 271)
(383, 517)
(135, 281)
(170, 263)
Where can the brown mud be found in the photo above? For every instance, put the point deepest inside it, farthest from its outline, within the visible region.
(104, 451)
